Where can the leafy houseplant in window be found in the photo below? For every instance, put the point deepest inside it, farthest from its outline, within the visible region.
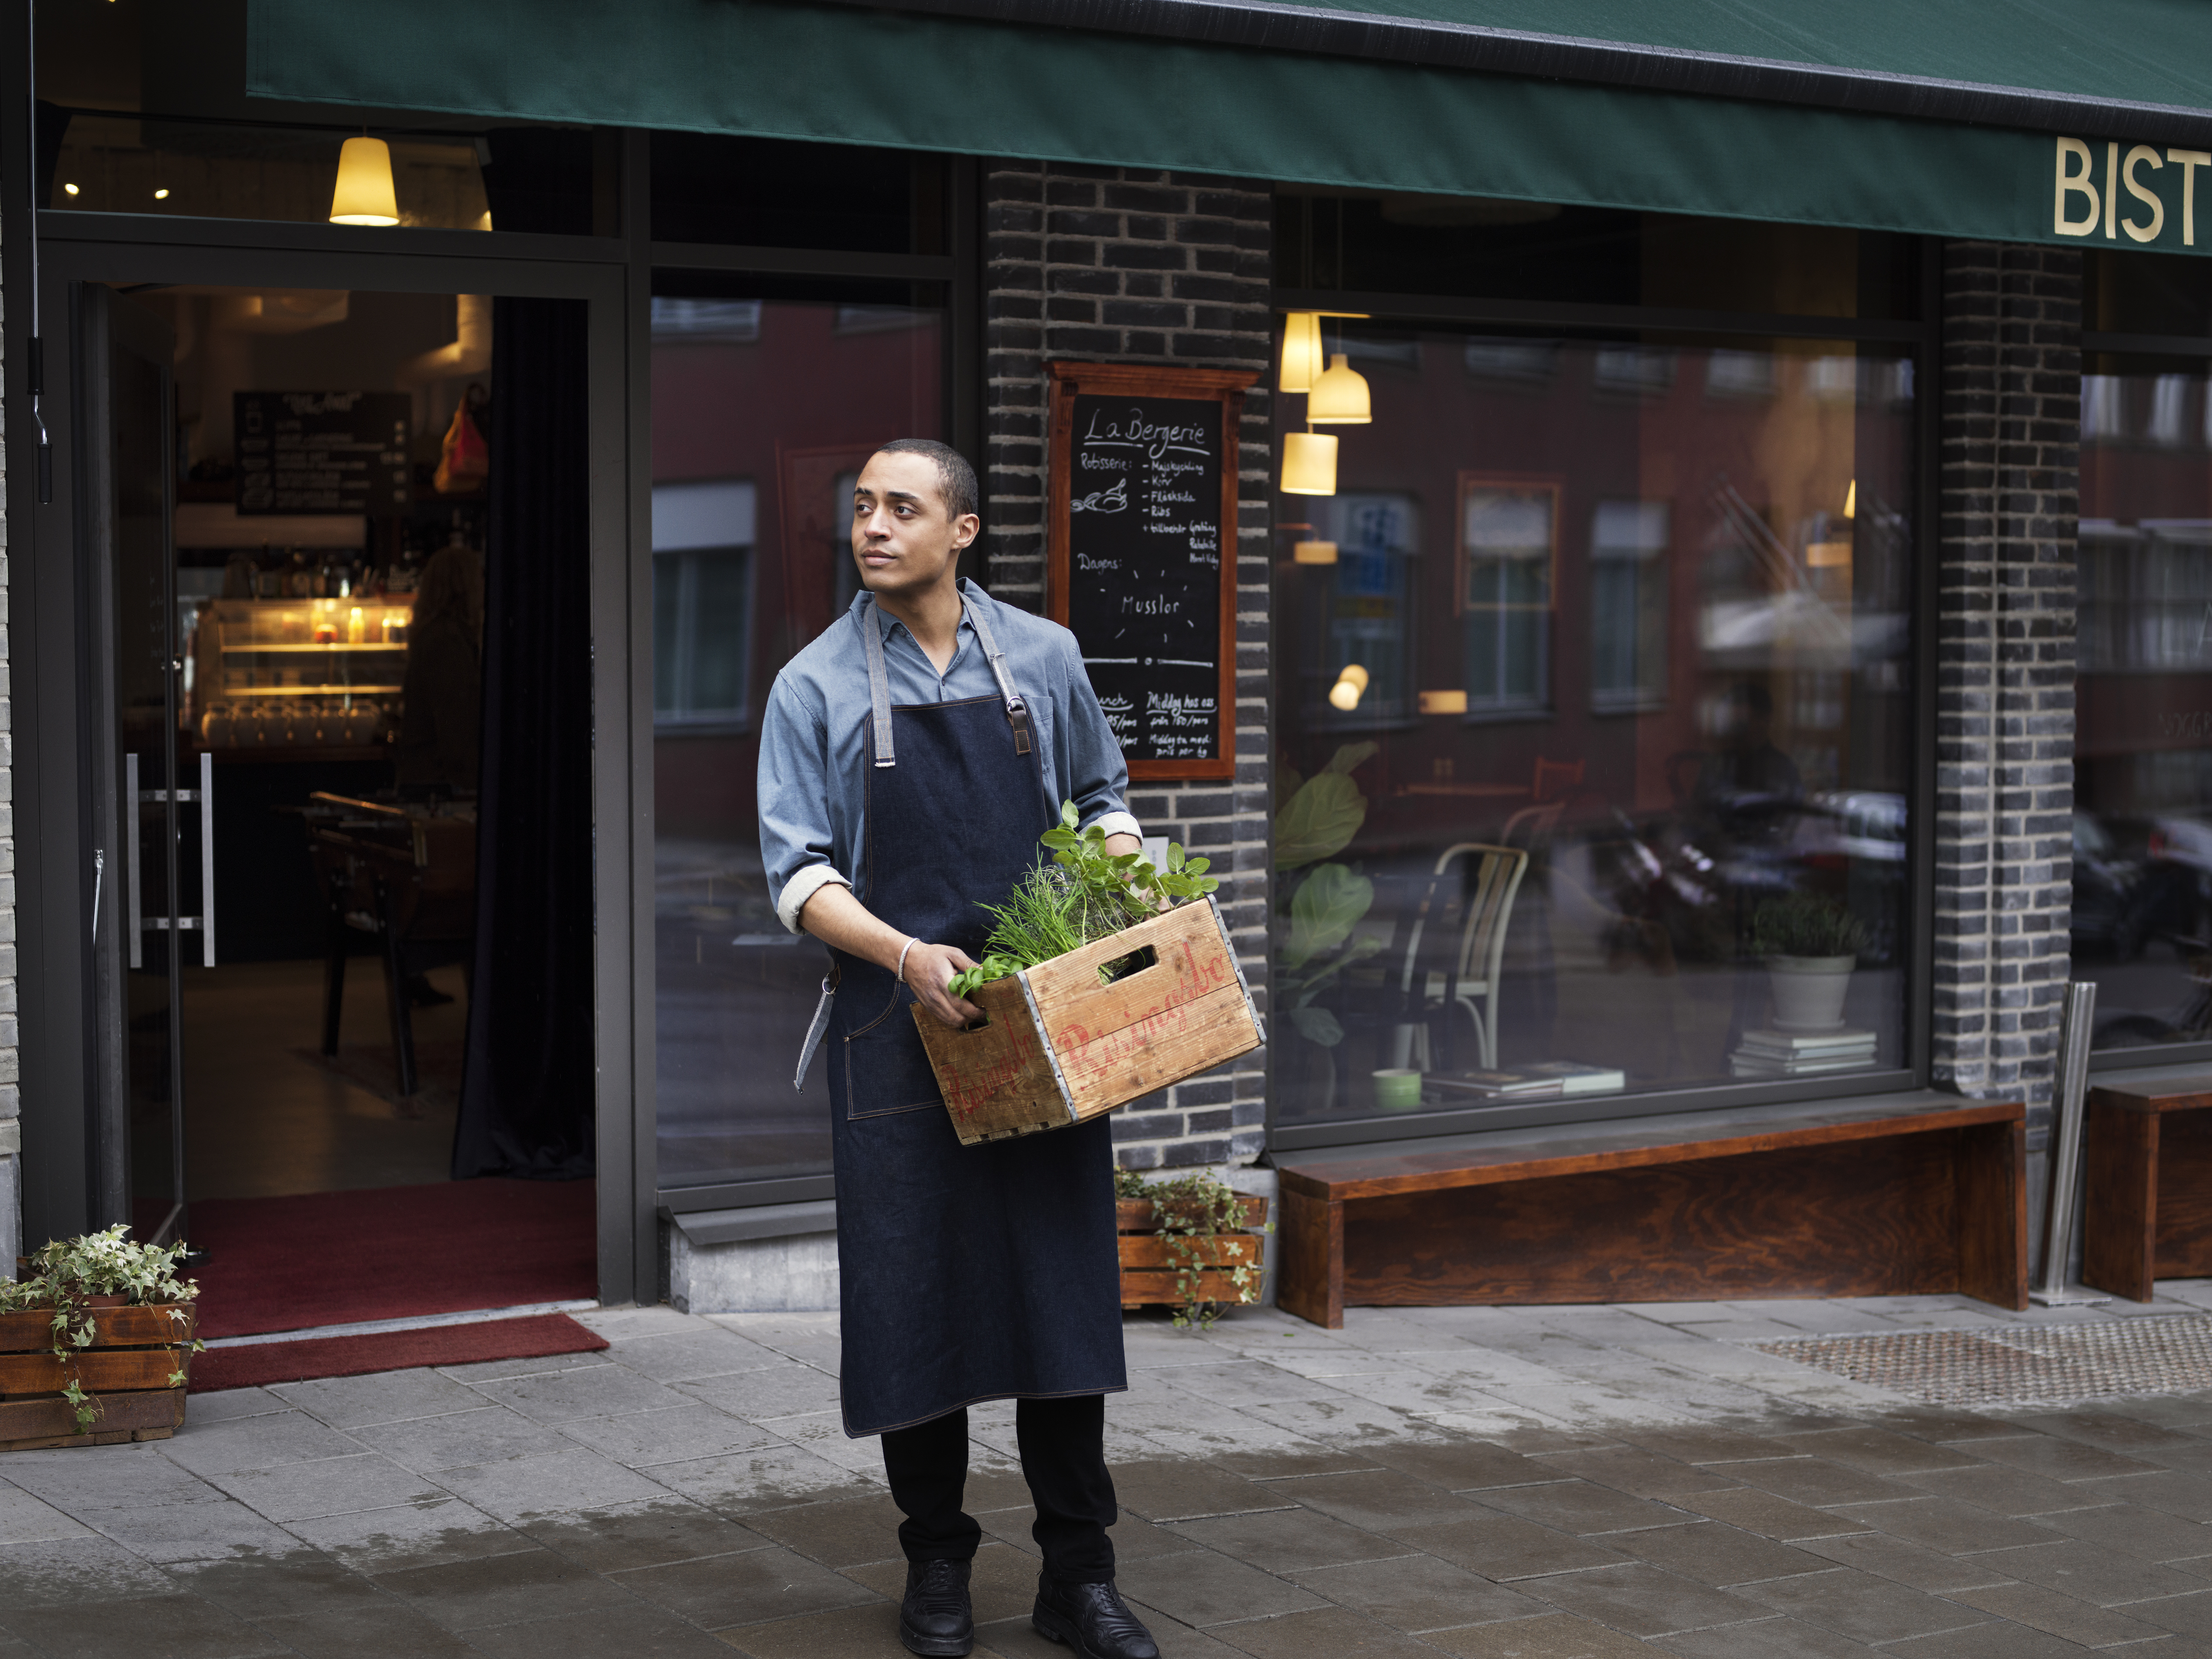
(1317, 819)
(1811, 945)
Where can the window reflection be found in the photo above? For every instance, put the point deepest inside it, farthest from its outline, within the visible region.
(2142, 773)
(1621, 804)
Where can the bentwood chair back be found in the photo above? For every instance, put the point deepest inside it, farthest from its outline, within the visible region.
(1471, 981)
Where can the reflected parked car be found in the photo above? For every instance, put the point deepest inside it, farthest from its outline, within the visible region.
(2137, 879)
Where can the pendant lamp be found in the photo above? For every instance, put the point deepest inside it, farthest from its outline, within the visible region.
(1310, 464)
(364, 195)
(1346, 693)
(1301, 358)
(1338, 397)
(1313, 553)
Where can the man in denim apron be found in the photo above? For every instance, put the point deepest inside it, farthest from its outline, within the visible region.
(910, 758)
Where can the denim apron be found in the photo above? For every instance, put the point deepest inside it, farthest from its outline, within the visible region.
(967, 1272)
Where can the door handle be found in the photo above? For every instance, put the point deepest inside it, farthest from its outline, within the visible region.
(207, 858)
(135, 927)
(98, 874)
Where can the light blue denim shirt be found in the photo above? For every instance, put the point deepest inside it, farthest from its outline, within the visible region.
(813, 784)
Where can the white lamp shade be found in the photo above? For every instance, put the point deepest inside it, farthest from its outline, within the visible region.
(1314, 552)
(1310, 464)
(1338, 397)
(1353, 675)
(1343, 696)
(1301, 358)
(364, 195)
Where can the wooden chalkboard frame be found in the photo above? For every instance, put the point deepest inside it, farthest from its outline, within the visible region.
(1227, 387)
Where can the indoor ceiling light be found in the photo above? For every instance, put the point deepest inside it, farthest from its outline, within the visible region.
(163, 194)
(1314, 552)
(1344, 694)
(1302, 357)
(1310, 464)
(1852, 501)
(364, 195)
(71, 189)
(1443, 702)
(1338, 397)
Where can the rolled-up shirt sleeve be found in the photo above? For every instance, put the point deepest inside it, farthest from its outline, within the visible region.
(796, 844)
(1099, 777)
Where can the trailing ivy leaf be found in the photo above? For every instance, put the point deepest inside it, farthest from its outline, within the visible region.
(1317, 1025)
(1320, 821)
(1327, 905)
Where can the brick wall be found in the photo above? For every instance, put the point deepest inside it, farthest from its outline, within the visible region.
(1104, 265)
(2011, 431)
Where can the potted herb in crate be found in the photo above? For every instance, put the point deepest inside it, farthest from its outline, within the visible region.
(1103, 979)
(1191, 1242)
(95, 1339)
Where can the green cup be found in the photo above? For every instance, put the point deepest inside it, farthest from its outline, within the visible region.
(1397, 1090)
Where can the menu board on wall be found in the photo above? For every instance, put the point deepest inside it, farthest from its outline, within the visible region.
(322, 452)
(1143, 565)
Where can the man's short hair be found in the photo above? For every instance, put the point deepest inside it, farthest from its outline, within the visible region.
(956, 479)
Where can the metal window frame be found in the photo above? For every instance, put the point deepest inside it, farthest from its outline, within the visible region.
(1925, 337)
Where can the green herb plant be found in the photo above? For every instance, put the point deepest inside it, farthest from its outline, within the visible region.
(1084, 894)
(65, 1275)
(1191, 1209)
(1807, 924)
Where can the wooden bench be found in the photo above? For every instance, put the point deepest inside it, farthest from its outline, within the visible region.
(1913, 1196)
(2147, 1179)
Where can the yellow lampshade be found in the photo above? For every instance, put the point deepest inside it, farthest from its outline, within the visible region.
(1343, 696)
(1443, 702)
(1852, 501)
(1310, 464)
(1338, 397)
(1314, 552)
(1301, 350)
(365, 195)
(1353, 674)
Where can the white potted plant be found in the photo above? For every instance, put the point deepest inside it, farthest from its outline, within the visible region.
(1811, 944)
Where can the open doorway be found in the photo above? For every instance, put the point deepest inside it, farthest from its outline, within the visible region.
(339, 616)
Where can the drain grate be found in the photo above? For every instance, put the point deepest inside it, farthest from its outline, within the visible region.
(2021, 1365)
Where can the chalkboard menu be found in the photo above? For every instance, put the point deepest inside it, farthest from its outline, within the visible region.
(1143, 555)
(322, 452)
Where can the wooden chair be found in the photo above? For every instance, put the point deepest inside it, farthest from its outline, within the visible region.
(1555, 780)
(1469, 976)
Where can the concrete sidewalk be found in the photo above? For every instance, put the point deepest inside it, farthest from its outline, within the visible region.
(1536, 1483)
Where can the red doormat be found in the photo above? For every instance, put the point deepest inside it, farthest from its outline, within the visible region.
(293, 1263)
(259, 1362)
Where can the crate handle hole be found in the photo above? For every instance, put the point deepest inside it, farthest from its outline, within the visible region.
(1130, 966)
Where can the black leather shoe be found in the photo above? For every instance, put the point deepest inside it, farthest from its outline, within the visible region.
(1092, 1619)
(935, 1617)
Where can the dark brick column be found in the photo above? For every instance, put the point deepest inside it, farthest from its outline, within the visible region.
(2011, 413)
(1105, 265)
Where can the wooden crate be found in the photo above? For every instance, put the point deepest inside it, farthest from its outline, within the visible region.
(1057, 1047)
(1152, 1273)
(133, 1353)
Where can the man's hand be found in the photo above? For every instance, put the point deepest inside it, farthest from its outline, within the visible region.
(929, 970)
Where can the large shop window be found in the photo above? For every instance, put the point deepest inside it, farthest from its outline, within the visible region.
(768, 397)
(1595, 721)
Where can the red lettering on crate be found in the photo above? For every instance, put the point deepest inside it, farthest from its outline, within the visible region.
(1083, 1056)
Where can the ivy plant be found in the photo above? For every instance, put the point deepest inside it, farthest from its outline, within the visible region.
(1191, 1209)
(65, 1276)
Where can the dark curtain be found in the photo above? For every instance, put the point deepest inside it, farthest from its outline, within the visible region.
(540, 180)
(526, 1087)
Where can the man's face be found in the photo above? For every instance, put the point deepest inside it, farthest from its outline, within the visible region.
(903, 540)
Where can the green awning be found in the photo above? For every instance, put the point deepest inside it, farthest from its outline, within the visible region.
(974, 85)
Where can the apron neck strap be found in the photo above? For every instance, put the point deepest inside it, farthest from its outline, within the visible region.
(879, 681)
(1015, 708)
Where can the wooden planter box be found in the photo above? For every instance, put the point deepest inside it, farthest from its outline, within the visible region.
(1151, 1275)
(1057, 1047)
(134, 1352)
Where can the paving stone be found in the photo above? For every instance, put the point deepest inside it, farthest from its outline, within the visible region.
(227, 1404)
(1381, 1500)
(1202, 1589)
(1161, 1491)
(598, 1391)
(690, 1354)
(385, 1629)
(1941, 1422)
(410, 1535)
(644, 1439)
(1813, 1481)
(1714, 1553)
(2129, 1435)
(2004, 1490)
(553, 1483)
(24, 1519)
(1578, 1506)
(353, 1402)
(174, 1625)
(256, 1443)
(1770, 1517)
(722, 1590)
(781, 1390)
(482, 1435)
(768, 1477)
(1944, 1524)
(495, 1371)
(1643, 1599)
(633, 1631)
(1699, 1443)
(1285, 1463)
(79, 1479)
(841, 1534)
(1502, 1549)
(1287, 1540)
(61, 1571)
(2091, 1572)
(2137, 1530)
(1461, 1465)
(644, 1535)
(1874, 1451)
(2186, 1495)
(2186, 1615)
(1861, 1606)
(1417, 1592)
(1989, 1641)
(1554, 1636)
(2058, 1615)
(263, 1587)
(502, 1589)
(2061, 1460)
(1324, 1633)
(1635, 1471)
(330, 1486)
(168, 1533)
(1914, 1564)
(1767, 1638)
(861, 1633)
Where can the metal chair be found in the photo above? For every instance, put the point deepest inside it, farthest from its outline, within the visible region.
(1468, 977)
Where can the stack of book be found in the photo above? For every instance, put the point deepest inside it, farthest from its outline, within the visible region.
(1792, 1054)
(1544, 1080)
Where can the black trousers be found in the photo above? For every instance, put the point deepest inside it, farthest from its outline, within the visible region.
(1063, 1446)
